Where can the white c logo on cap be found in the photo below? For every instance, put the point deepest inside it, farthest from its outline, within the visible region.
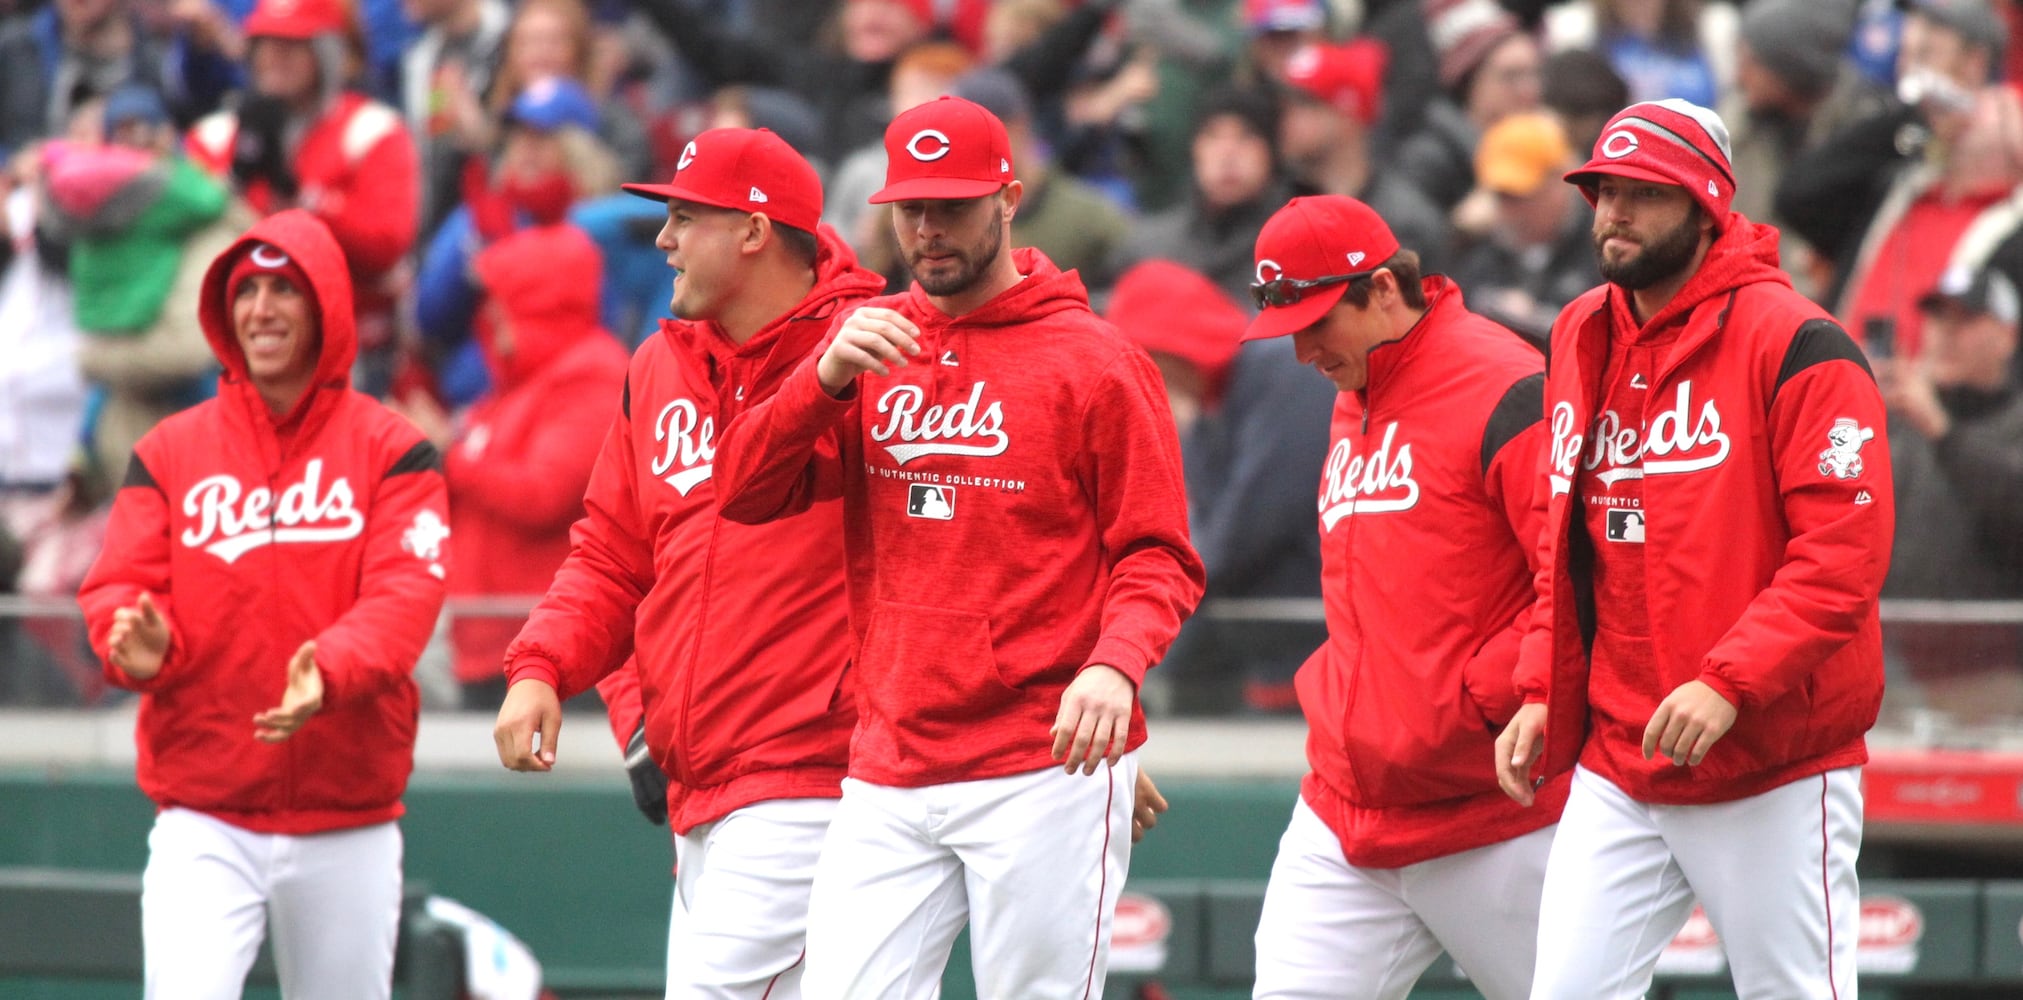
(265, 255)
(1277, 272)
(941, 149)
(687, 156)
(1619, 144)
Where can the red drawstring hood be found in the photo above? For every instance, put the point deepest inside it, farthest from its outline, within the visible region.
(545, 283)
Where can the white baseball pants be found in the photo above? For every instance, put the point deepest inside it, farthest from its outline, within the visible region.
(1775, 873)
(211, 890)
(1033, 862)
(740, 919)
(1333, 931)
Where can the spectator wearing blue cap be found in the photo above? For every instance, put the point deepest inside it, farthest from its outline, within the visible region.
(549, 166)
(143, 222)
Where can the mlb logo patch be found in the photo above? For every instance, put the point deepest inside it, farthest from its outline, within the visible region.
(933, 502)
(1626, 525)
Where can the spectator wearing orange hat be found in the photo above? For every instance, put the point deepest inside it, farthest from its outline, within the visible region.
(1334, 101)
(1534, 255)
(301, 139)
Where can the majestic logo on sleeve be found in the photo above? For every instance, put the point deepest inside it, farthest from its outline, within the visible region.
(689, 445)
(965, 428)
(1378, 483)
(1674, 441)
(1842, 457)
(230, 522)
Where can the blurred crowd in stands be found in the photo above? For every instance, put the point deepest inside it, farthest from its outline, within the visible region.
(467, 155)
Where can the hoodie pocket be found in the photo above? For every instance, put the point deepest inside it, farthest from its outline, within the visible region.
(931, 666)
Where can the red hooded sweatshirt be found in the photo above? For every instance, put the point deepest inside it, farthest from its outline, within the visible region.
(740, 633)
(1430, 507)
(518, 471)
(1014, 514)
(1761, 475)
(255, 534)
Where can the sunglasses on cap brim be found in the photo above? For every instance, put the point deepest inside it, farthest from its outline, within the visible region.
(1283, 292)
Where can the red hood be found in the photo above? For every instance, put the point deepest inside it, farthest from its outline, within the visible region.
(1744, 253)
(305, 238)
(547, 282)
(1046, 290)
(838, 278)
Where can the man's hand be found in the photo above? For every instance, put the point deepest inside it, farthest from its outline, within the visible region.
(530, 723)
(871, 340)
(1908, 390)
(1687, 724)
(1517, 750)
(302, 699)
(1146, 805)
(1095, 718)
(139, 639)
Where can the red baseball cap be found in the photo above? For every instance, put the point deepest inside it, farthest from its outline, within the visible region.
(948, 148)
(1350, 77)
(746, 170)
(297, 19)
(1672, 141)
(1313, 238)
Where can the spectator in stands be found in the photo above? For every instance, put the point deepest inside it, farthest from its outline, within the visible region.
(42, 394)
(1252, 457)
(846, 86)
(71, 51)
(1662, 48)
(1236, 187)
(300, 138)
(1794, 87)
(1956, 444)
(142, 222)
(1897, 198)
(521, 457)
(549, 38)
(550, 163)
(1488, 68)
(446, 77)
(1276, 29)
(1585, 92)
(1067, 219)
(1537, 254)
(1330, 110)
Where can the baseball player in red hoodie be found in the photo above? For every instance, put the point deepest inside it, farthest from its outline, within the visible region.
(277, 744)
(1401, 844)
(1016, 535)
(740, 633)
(1705, 655)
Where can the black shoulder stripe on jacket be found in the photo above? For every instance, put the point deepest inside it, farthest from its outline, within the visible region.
(423, 457)
(137, 474)
(1522, 405)
(1817, 342)
(625, 400)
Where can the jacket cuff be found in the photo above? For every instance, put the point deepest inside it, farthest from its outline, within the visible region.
(528, 666)
(1121, 656)
(1722, 686)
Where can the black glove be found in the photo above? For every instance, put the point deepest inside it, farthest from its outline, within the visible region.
(649, 782)
(260, 149)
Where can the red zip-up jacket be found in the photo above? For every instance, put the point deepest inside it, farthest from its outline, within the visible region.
(518, 470)
(1430, 507)
(1768, 517)
(254, 535)
(740, 632)
(358, 171)
(1013, 514)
